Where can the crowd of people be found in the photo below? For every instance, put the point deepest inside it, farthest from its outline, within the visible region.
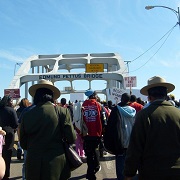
(144, 137)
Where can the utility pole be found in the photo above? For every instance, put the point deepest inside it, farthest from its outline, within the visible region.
(19, 64)
(127, 63)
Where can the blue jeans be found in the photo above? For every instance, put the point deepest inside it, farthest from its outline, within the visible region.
(120, 159)
(23, 166)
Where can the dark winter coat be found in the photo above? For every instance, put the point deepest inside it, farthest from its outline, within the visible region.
(9, 123)
(118, 129)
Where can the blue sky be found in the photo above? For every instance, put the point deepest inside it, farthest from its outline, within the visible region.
(92, 26)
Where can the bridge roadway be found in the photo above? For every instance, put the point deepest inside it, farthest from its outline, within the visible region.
(107, 169)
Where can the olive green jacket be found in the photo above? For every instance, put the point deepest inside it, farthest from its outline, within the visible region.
(154, 147)
(41, 135)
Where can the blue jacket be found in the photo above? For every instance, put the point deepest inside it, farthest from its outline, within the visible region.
(127, 121)
(118, 129)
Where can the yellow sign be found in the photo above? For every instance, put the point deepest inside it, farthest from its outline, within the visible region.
(94, 67)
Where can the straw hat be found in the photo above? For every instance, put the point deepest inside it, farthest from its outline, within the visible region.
(157, 81)
(44, 84)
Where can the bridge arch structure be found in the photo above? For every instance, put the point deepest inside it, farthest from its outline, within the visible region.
(50, 67)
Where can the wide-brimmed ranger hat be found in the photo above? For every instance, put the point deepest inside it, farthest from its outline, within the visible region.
(155, 82)
(45, 84)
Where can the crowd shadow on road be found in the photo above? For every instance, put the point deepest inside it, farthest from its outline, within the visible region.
(107, 158)
(16, 178)
(84, 176)
(15, 161)
(78, 177)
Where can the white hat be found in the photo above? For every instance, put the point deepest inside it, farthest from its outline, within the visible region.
(44, 84)
(154, 82)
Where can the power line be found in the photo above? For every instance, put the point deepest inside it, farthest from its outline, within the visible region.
(154, 53)
(167, 33)
(155, 43)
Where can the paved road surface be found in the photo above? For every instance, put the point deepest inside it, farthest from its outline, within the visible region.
(107, 171)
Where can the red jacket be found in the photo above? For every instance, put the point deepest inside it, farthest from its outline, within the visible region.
(92, 117)
(136, 106)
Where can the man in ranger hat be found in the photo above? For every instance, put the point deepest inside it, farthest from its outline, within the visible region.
(41, 133)
(154, 148)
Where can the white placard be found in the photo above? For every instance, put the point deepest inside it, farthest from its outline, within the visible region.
(114, 94)
(130, 81)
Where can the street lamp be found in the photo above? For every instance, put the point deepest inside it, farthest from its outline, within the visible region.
(177, 13)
